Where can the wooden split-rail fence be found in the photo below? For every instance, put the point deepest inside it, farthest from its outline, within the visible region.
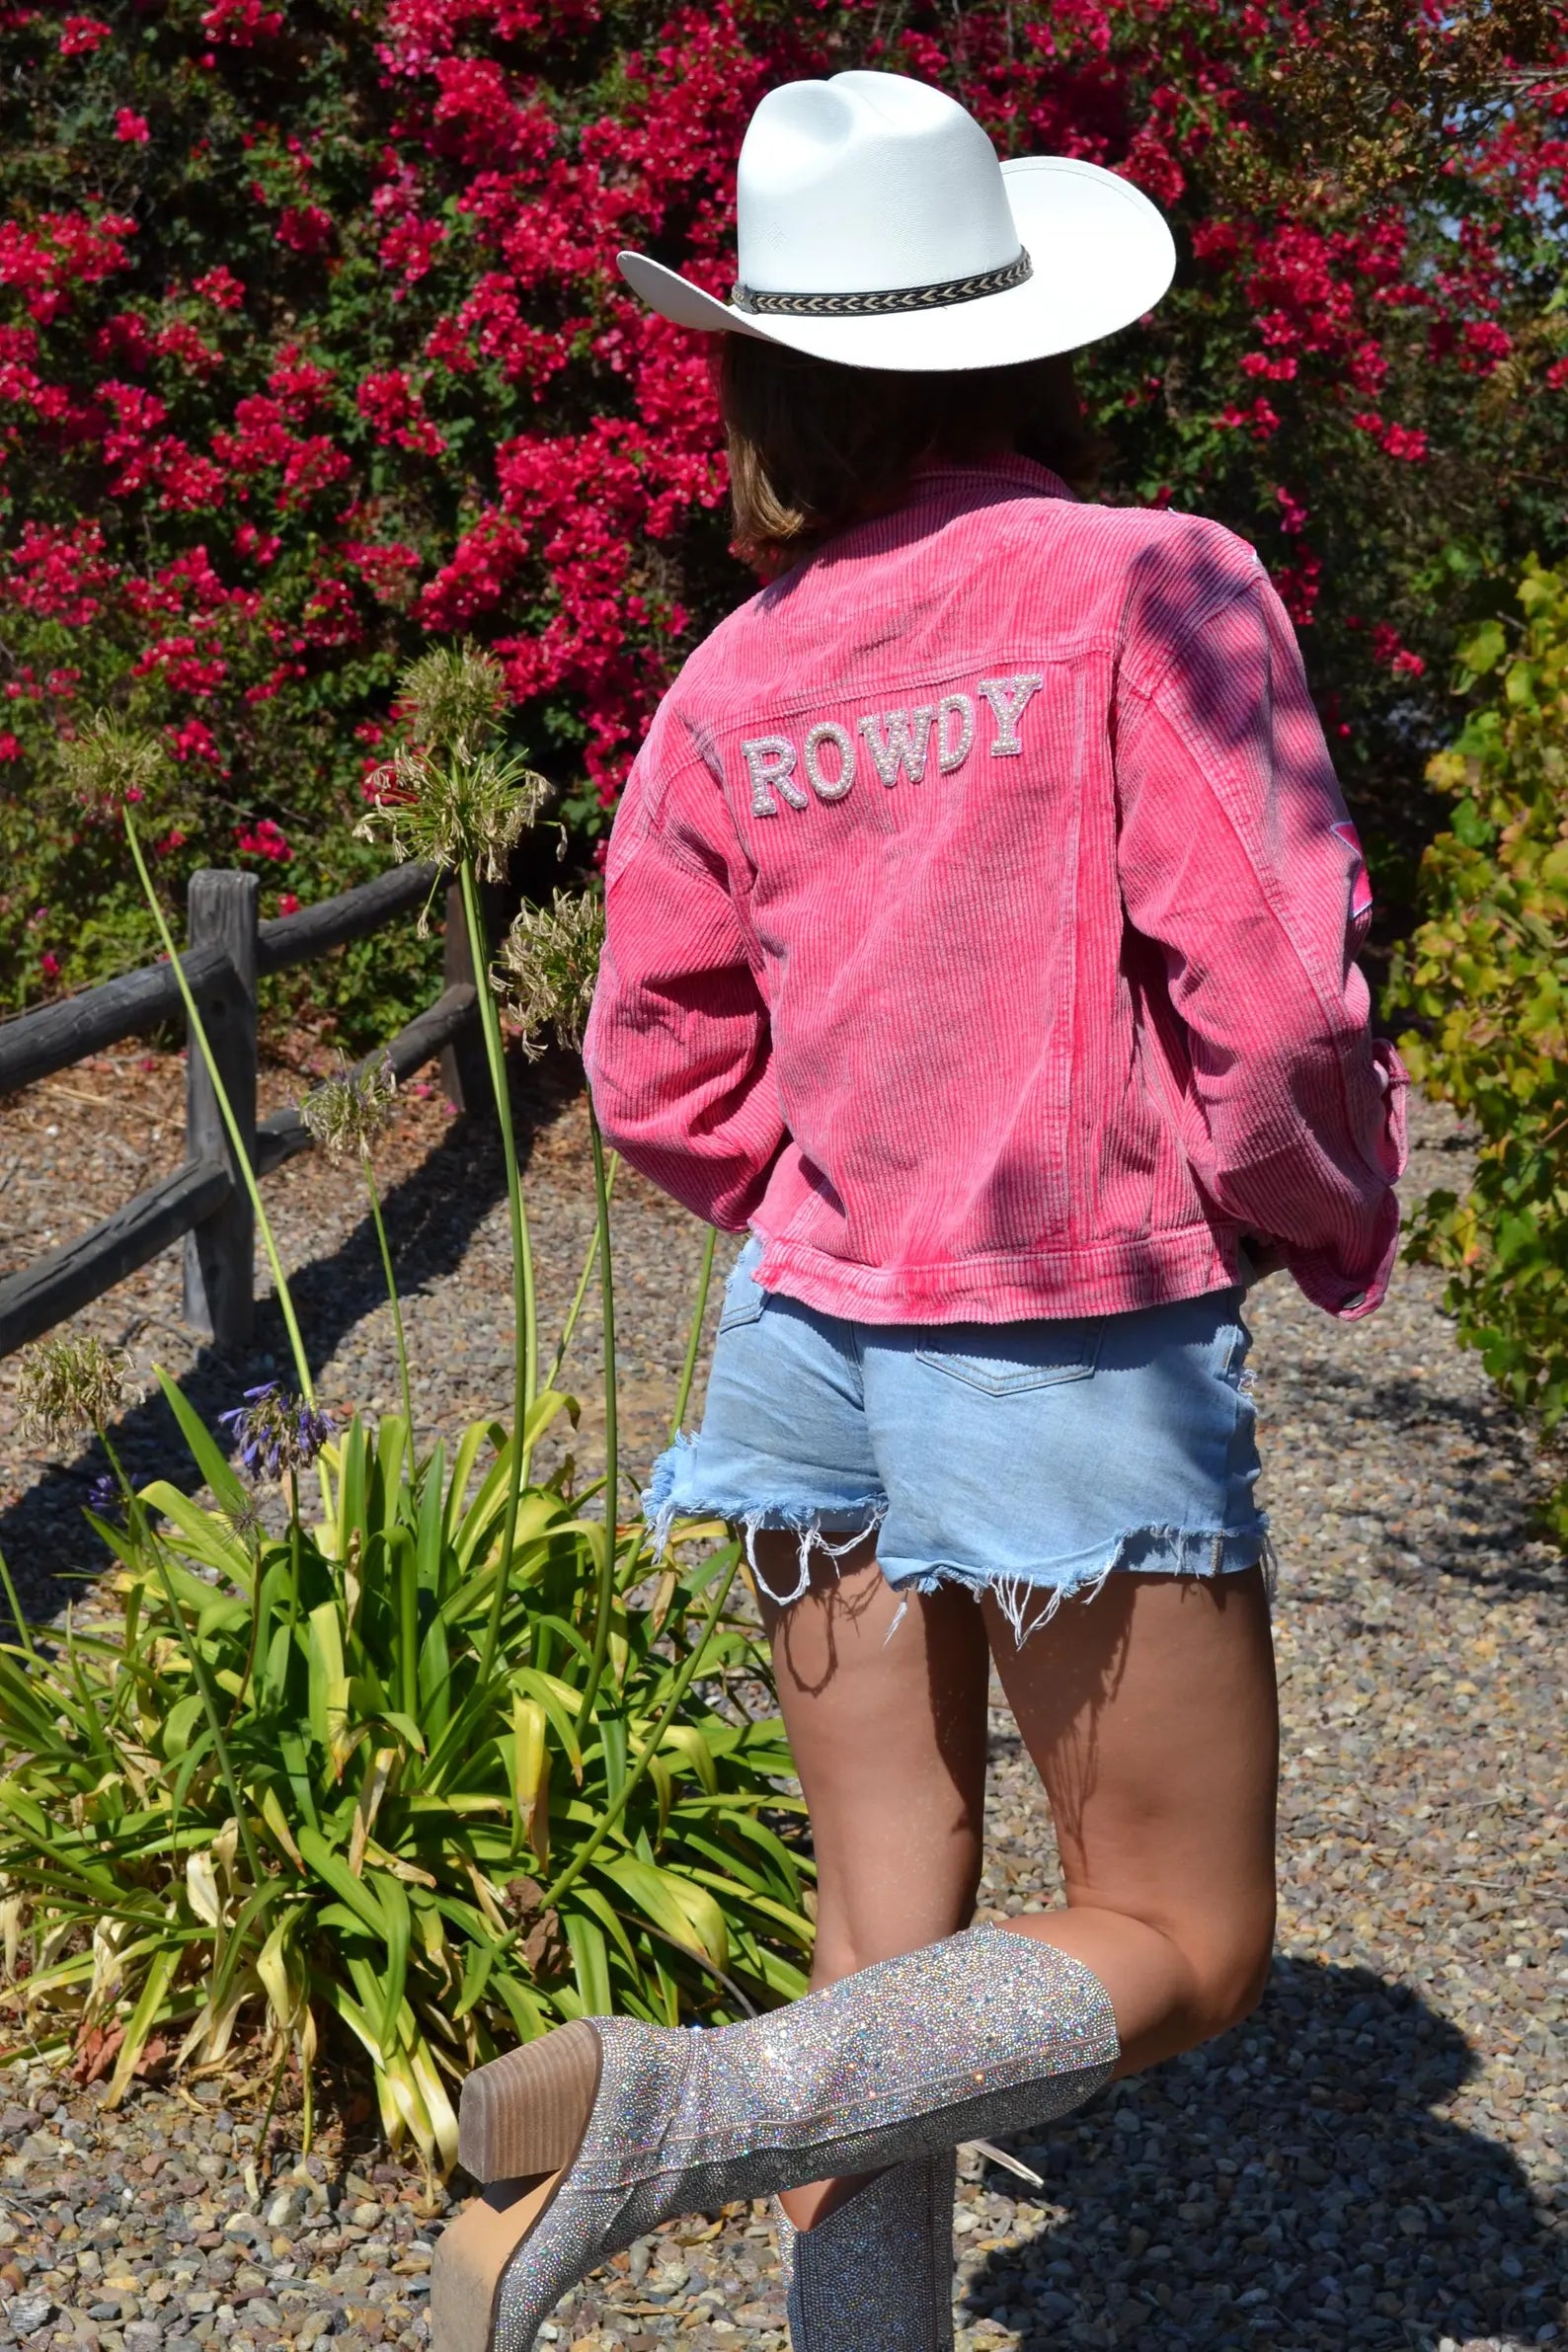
(206, 1199)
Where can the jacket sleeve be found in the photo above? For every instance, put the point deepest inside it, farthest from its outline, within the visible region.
(677, 1048)
(1236, 857)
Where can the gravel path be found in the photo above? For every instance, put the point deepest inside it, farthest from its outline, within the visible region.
(1372, 2159)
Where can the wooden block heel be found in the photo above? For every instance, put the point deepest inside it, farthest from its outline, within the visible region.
(526, 2113)
(520, 2122)
(471, 2259)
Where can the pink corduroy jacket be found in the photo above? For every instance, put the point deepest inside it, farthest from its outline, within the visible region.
(983, 917)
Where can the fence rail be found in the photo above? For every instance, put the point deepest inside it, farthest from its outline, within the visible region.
(206, 1199)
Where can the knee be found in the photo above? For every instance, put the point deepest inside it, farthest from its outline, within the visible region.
(1226, 1985)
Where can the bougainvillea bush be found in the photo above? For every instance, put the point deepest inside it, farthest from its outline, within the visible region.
(312, 349)
(1487, 971)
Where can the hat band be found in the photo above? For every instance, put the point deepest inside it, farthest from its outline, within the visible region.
(904, 298)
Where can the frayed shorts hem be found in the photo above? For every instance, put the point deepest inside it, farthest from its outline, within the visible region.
(1028, 1599)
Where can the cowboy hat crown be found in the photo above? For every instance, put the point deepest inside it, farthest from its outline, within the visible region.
(867, 184)
(876, 227)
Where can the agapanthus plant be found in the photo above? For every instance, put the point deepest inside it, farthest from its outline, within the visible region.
(69, 1383)
(451, 793)
(548, 964)
(346, 1115)
(277, 1434)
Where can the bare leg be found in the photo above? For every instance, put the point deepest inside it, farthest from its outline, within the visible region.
(889, 1741)
(1150, 1713)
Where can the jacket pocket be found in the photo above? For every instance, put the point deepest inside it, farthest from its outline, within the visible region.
(1004, 1358)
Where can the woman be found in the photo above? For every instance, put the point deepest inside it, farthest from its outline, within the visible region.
(982, 916)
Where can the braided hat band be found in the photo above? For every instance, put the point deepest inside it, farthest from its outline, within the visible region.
(910, 297)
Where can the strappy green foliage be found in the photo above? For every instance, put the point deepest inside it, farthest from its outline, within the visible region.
(437, 1859)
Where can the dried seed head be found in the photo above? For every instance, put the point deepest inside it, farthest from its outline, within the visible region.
(67, 1385)
(455, 808)
(452, 699)
(109, 763)
(346, 1114)
(277, 1431)
(549, 963)
(450, 793)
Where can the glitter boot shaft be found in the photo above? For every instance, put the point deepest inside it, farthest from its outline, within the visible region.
(967, 2039)
(877, 2275)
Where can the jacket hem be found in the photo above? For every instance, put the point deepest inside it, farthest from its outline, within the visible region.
(1005, 1287)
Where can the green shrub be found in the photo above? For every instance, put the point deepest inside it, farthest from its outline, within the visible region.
(284, 1793)
(1487, 971)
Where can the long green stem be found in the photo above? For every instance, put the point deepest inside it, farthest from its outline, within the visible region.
(392, 1296)
(639, 1772)
(15, 1606)
(578, 1295)
(242, 1156)
(204, 1682)
(525, 1345)
(688, 1370)
(605, 1598)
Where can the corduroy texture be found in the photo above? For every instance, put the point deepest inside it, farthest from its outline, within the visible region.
(983, 913)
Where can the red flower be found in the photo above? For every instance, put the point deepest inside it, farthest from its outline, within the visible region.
(241, 23)
(288, 903)
(264, 839)
(81, 36)
(131, 126)
(50, 964)
(193, 740)
(306, 230)
(220, 285)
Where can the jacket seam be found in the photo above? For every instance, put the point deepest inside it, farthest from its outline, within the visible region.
(1270, 889)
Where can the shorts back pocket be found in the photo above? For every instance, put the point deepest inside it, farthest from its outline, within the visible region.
(1003, 1358)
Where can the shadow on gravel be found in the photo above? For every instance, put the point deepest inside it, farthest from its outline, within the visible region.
(1288, 2185)
(431, 1214)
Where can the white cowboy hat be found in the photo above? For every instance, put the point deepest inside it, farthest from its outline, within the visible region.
(876, 227)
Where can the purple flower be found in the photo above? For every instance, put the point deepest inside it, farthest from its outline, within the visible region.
(103, 1495)
(278, 1433)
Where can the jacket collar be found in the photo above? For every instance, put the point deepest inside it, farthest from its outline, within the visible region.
(943, 476)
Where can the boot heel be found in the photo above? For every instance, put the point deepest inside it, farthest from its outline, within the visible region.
(526, 2113)
(471, 2259)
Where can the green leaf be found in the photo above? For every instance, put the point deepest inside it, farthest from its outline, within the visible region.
(208, 1457)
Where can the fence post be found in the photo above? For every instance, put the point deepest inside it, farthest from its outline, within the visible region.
(466, 1074)
(220, 1252)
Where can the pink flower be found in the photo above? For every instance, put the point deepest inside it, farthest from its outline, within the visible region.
(10, 746)
(81, 36)
(241, 23)
(220, 285)
(265, 840)
(50, 964)
(131, 126)
(305, 228)
(288, 903)
(193, 740)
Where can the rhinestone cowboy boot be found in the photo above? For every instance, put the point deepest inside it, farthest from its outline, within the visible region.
(599, 2132)
(877, 2275)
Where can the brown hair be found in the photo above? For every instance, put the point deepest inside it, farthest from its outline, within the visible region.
(815, 446)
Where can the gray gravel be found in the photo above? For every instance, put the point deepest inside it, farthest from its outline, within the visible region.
(1374, 2159)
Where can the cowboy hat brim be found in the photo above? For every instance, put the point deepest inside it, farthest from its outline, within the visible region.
(1101, 253)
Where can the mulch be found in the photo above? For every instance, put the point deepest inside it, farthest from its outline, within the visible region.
(1372, 2159)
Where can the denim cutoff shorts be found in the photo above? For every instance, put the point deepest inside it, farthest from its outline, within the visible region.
(1030, 1459)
